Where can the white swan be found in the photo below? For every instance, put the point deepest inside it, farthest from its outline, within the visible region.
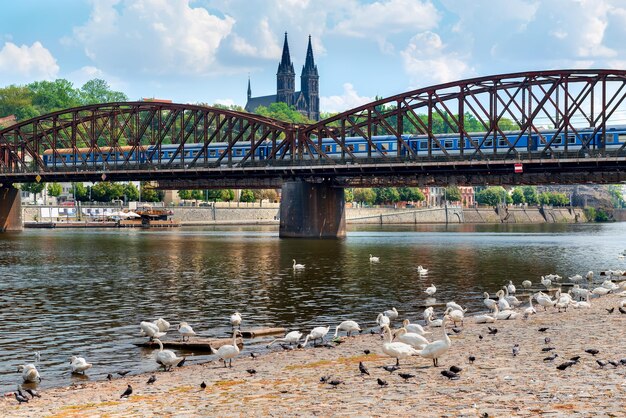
(455, 315)
(79, 364)
(563, 302)
(291, 338)
(437, 348)
(576, 278)
(228, 351)
(531, 309)
(297, 266)
(382, 320)
(166, 358)
(430, 290)
(151, 330)
(392, 314)
(503, 304)
(185, 330)
(374, 259)
(610, 285)
(584, 304)
(491, 304)
(428, 312)
(544, 300)
(348, 326)
(422, 270)
(601, 291)
(487, 319)
(456, 306)
(527, 284)
(513, 301)
(414, 328)
(546, 282)
(589, 275)
(416, 341)
(235, 320)
(434, 323)
(396, 350)
(29, 373)
(317, 333)
(511, 287)
(506, 315)
(162, 325)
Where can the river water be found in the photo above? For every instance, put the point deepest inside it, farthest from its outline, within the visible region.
(84, 292)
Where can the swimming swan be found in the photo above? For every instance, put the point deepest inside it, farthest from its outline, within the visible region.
(297, 266)
(374, 259)
(29, 373)
(430, 290)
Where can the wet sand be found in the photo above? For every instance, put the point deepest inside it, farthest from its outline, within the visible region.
(287, 383)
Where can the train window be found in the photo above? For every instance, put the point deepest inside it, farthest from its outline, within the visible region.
(571, 139)
(357, 147)
(448, 143)
(502, 142)
(327, 148)
(488, 142)
(423, 145)
(350, 147)
(212, 153)
(621, 137)
(383, 147)
(558, 140)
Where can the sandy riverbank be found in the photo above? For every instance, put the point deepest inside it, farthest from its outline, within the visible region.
(287, 382)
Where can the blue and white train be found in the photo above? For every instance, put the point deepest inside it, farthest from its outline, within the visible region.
(383, 145)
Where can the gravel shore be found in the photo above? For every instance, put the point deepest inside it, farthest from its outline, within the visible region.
(287, 383)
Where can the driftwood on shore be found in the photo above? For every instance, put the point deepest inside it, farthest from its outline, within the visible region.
(196, 344)
(262, 332)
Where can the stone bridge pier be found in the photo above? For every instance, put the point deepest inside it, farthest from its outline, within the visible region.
(312, 210)
(10, 209)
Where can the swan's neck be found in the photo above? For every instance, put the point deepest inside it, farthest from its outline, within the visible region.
(235, 340)
(160, 345)
(445, 334)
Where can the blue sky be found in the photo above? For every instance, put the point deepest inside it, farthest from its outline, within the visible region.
(203, 50)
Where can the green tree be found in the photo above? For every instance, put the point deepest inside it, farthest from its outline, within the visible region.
(197, 194)
(617, 198)
(98, 91)
(131, 192)
(387, 195)
(453, 194)
(48, 96)
(227, 195)
(34, 188)
(184, 194)
(18, 101)
(493, 196)
(558, 199)
(530, 195)
(282, 111)
(411, 194)
(348, 195)
(518, 196)
(55, 189)
(367, 196)
(81, 193)
(544, 198)
(247, 196)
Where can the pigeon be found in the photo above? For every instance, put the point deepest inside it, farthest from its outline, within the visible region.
(363, 369)
(406, 376)
(592, 351)
(203, 385)
(33, 393)
(455, 369)
(391, 369)
(21, 393)
(335, 383)
(543, 329)
(152, 379)
(124, 373)
(623, 361)
(450, 375)
(613, 363)
(515, 350)
(601, 363)
(127, 392)
(610, 310)
(546, 349)
(457, 330)
(547, 340)
(480, 336)
(366, 352)
(182, 362)
(471, 359)
(20, 399)
(382, 383)
(109, 376)
(254, 355)
(324, 379)
(575, 359)
(493, 331)
(622, 310)
(251, 371)
(552, 357)
(565, 365)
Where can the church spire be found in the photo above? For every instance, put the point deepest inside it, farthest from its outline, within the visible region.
(285, 77)
(309, 64)
(285, 62)
(249, 88)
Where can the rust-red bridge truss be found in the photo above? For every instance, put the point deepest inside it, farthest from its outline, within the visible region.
(565, 100)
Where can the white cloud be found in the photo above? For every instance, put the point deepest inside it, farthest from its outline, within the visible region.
(225, 102)
(347, 100)
(153, 36)
(428, 62)
(27, 62)
(266, 43)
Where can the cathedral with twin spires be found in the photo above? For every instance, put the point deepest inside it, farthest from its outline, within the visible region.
(306, 101)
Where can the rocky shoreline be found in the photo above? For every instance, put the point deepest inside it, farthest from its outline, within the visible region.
(287, 383)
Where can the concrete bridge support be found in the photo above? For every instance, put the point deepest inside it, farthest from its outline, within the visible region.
(10, 209)
(312, 210)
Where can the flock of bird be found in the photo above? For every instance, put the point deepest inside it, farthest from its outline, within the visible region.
(410, 339)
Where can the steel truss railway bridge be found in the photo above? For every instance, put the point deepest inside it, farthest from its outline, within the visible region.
(311, 177)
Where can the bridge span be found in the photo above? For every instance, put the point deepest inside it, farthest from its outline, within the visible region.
(544, 127)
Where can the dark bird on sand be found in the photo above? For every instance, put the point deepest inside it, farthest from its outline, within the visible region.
(601, 363)
(127, 392)
(406, 376)
(457, 330)
(335, 383)
(391, 369)
(123, 373)
(325, 379)
(480, 336)
(565, 365)
(575, 359)
(33, 393)
(109, 376)
(613, 363)
(471, 359)
(546, 349)
(552, 357)
(610, 310)
(203, 385)
(20, 398)
(182, 362)
(455, 369)
(363, 369)
(254, 355)
(623, 361)
(382, 383)
(547, 340)
(450, 375)
(622, 310)
(21, 392)
(151, 380)
(543, 329)
(592, 351)
(493, 331)
(366, 352)
(515, 350)
(251, 371)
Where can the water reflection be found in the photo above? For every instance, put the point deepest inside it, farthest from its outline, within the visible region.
(84, 293)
